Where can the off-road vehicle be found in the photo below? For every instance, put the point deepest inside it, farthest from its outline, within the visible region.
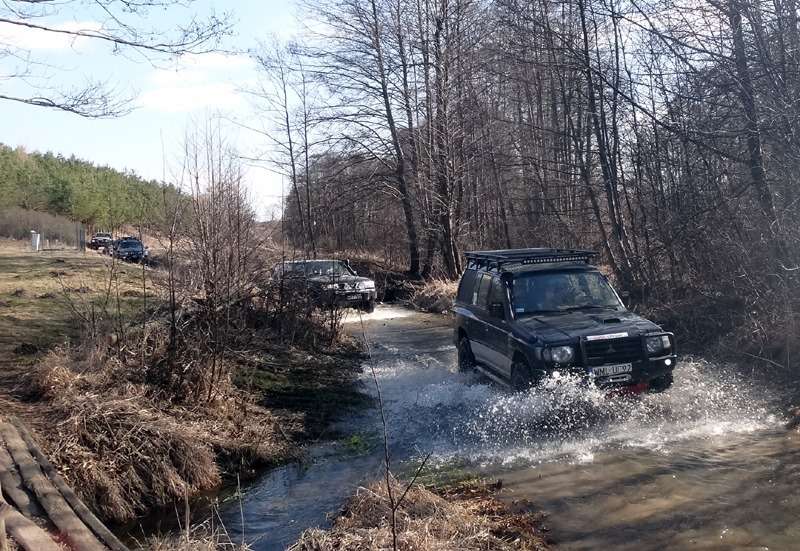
(521, 315)
(329, 282)
(130, 249)
(99, 240)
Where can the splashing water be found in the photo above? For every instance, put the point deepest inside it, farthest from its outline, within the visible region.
(463, 417)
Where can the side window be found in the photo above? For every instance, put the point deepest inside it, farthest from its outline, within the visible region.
(465, 289)
(496, 292)
(482, 291)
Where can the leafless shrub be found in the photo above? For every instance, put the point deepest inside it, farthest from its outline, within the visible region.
(425, 521)
(435, 295)
(126, 447)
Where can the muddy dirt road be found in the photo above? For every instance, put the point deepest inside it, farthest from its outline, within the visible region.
(706, 465)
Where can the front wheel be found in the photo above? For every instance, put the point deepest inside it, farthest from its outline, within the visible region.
(660, 384)
(521, 375)
(368, 306)
(466, 360)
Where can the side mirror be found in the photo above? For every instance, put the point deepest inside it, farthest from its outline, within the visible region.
(625, 296)
(496, 310)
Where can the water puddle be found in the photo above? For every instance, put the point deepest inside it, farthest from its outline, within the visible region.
(705, 464)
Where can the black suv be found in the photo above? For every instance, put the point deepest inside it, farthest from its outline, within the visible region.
(524, 314)
(129, 249)
(99, 241)
(329, 282)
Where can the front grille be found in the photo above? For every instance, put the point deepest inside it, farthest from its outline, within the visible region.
(613, 351)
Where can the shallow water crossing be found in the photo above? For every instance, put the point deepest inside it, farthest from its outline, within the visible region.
(706, 465)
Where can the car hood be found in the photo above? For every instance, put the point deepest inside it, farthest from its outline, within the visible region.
(574, 325)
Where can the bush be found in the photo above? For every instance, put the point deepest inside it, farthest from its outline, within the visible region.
(126, 448)
(469, 519)
(436, 295)
(17, 223)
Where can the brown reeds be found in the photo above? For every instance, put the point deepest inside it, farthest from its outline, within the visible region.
(467, 520)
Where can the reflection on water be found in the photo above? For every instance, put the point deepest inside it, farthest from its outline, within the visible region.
(704, 465)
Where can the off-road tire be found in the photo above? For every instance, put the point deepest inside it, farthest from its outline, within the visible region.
(466, 359)
(523, 376)
(661, 384)
(368, 306)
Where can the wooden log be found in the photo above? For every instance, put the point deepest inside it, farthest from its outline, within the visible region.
(24, 532)
(78, 536)
(14, 489)
(84, 513)
(3, 511)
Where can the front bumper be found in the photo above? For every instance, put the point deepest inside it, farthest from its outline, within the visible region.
(130, 257)
(343, 297)
(643, 371)
(644, 368)
(637, 368)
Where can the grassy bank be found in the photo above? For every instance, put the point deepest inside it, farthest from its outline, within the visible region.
(82, 343)
(465, 516)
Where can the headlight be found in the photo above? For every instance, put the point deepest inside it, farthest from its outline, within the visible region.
(656, 345)
(330, 286)
(559, 354)
(368, 285)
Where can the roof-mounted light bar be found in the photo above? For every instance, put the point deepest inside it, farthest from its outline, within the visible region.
(496, 259)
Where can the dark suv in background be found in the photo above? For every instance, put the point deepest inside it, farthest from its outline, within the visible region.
(100, 240)
(129, 249)
(329, 282)
(523, 314)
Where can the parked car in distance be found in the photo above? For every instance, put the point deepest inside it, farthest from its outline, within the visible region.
(99, 240)
(130, 250)
(521, 315)
(329, 282)
(113, 245)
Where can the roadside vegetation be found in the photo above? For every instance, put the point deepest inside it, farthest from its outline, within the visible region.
(435, 295)
(148, 386)
(466, 516)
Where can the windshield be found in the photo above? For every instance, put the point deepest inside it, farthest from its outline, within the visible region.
(562, 292)
(317, 267)
(130, 245)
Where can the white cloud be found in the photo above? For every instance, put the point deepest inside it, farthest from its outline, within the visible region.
(216, 60)
(197, 82)
(189, 97)
(26, 38)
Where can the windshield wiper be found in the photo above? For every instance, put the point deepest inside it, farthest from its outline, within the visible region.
(539, 312)
(588, 307)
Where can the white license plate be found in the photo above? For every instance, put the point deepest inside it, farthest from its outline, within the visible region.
(353, 297)
(606, 370)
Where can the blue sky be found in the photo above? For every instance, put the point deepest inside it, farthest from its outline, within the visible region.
(170, 97)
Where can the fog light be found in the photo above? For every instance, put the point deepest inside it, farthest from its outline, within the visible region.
(667, 363)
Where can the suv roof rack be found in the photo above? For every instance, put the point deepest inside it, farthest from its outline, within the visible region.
(496, 259)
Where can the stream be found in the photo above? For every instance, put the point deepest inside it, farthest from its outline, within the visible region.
(705, 465)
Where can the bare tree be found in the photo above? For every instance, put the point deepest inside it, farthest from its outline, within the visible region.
(121, 25)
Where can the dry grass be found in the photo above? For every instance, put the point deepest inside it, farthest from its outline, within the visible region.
(127, 441)
(435, 295)
(127, 450)
(42, 291)
(468, 518)
(206, 536)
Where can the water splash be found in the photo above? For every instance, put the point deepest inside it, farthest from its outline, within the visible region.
(463, 417)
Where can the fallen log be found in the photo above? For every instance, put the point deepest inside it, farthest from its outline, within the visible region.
(79, 537)
(3, 511)
(23, 531)
(14, 489)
